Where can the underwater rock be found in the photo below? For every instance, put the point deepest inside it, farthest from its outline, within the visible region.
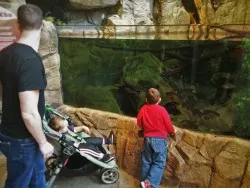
(171, 13)
(172, 96)
(131, 89)
(195, 111)
(187, 124)
(187, 95)
(209, 114)
(146, 84)
(127, 100)
(171, 108)
(141, 67)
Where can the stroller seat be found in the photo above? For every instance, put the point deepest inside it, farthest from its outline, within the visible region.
(69, 145)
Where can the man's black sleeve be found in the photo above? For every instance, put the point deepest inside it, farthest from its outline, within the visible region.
(1, 66)
(31, 75)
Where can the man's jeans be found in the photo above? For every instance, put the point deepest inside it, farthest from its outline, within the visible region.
(25, 163)
(154, 156)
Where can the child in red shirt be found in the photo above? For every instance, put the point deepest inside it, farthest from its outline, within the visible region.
(156, 125)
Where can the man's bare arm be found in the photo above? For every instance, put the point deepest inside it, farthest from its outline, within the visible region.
(30, 114)
(1, 94)
(32, 119)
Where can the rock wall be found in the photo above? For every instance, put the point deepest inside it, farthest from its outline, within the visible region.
(223, 12)
(92, 4)
(48, 50)
(216, 12)
(131, 17)
(173, 13)
(194, 159)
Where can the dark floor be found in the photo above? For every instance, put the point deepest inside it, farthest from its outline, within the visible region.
(94, 181)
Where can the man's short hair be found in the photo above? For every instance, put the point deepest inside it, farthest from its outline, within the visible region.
(153, 96)
(30, 17)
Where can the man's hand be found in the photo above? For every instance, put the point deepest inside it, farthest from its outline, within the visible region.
(47, 149)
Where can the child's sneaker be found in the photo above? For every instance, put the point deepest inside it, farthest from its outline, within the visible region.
(108, 157)
(111, 137)
(145, 184)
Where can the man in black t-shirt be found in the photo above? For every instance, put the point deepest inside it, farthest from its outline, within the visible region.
(23, 81)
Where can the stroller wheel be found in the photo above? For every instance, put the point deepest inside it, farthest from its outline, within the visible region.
(50, 161)
(109, 176)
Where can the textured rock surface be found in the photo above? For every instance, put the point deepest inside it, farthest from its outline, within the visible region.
(173, 13)
(133, 13)
(217, 12)
(90, 4)
(194, 160)
(2, 170)
(91, 17)
(223, 12)
(156, 19)
(48, 51)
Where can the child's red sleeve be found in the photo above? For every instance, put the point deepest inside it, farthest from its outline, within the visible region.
(167, 122)
(139, 119)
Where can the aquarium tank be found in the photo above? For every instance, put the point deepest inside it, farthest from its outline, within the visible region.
(204, 83)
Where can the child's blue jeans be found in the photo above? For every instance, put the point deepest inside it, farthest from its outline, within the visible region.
(25, 163)
(154, 156)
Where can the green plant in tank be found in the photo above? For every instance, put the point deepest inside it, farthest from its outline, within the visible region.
(242, 97)
(242, 110)
(99, 97)
(54, 20)
(87, 66)
(246, 64)
(143, 71)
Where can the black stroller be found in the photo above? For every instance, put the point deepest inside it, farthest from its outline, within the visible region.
(67, 151)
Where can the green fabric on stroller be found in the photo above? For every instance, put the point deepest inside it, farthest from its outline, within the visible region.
(68, 144)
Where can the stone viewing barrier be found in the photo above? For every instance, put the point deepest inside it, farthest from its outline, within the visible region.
(194, 160)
